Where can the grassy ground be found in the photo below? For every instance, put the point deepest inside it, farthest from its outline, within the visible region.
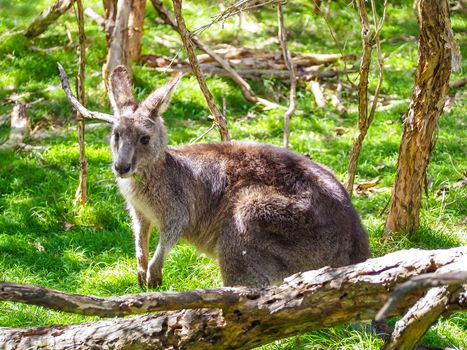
(46, 240)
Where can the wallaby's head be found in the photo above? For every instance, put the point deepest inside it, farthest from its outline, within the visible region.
(138, 134)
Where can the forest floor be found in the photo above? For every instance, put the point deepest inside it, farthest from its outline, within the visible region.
(46, 240)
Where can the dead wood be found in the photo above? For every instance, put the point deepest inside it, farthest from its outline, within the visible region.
(168, 18)
(47, 17)
(89, 12)
(20, 125)
(317, 93)
(81, 192)
(252, 63)
(76, 104)
(234, 317)
(411, 328)
(456, 84)
(287, 57)
(219, 118)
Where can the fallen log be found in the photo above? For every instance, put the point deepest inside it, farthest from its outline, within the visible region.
(248, 64)
(238, 318)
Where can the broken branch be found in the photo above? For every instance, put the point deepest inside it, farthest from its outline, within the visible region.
(76, 104)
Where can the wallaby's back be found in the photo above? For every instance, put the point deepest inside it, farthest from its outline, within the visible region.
(267, 213)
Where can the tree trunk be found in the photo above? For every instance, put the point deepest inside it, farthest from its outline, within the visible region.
(239, 318)
(118, 53)
(47, 17)
(81, 192)
(135, 28)
(110, 13)
(428, 98)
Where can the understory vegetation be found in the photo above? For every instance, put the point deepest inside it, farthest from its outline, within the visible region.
(47, 240)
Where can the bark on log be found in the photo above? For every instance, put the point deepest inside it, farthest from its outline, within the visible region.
(47, 17)
(237, 317)
(428, 99)
(411, 328)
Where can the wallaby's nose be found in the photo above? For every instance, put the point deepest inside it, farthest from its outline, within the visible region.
(122, 168)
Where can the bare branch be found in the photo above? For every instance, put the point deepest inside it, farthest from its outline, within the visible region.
(417, 283)
(219, 118)
(416, 322)
(76, 104)
(282, 34)
(47, 17)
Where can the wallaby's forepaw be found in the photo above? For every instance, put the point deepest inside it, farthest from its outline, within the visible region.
(154, 281)
(142, 279)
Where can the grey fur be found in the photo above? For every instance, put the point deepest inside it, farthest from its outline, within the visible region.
(263, 212)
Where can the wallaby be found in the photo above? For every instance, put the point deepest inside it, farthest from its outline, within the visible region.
(263, 212)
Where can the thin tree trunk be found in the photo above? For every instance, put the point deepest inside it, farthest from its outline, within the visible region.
(118, 53)
(234, 318)
(428, 98)
(47, 17)
(219, 118)
(135, 28)
(282, 34)
(364, 118)
(81, 192)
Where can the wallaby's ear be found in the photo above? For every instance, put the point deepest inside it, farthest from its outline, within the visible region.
(120, 93)
(156, 103)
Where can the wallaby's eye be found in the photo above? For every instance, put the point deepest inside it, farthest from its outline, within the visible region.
(144, 140)
(117, 136)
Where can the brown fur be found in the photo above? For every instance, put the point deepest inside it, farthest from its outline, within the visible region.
(264, 212)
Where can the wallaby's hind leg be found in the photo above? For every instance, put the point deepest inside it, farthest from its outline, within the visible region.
(141, 229)
(245, 263)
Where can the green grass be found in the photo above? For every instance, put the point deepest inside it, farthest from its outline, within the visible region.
(46, 240)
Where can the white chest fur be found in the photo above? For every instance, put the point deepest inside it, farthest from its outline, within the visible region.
(137, 200)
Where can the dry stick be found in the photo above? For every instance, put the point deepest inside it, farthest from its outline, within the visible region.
(81, 192)
(100, 21)
(47, 17)
(365, 119)
(76, 104)
(246, 89)
(416, 322)
(282, 34)
(429, 280)
(219, 118)
(317, 93)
